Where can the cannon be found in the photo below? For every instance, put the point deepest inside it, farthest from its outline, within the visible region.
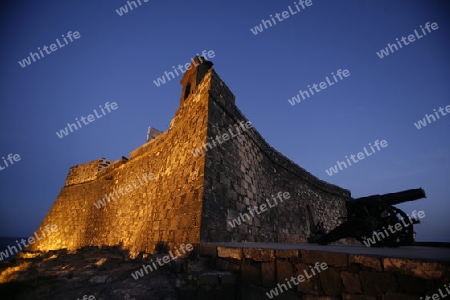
(368, 216)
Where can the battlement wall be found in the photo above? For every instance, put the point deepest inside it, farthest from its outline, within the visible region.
(86, 172)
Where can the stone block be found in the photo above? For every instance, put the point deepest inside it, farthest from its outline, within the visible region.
(375, 283)
(207, 250)
(286, 253)
(268, 274)
(309, 285)
(258, 254)
(412, 285)
(420, 269)
(351, 282)
(251, 273)
(222, 264)
(227, 252)
(330, 258)
(284, 270)
(331, 282)
(371, 262)
(235, 266)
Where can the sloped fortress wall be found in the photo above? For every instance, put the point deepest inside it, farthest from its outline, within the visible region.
(245, 172)
(144, 209)
(169, 192)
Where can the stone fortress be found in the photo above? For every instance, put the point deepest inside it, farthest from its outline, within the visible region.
(192, 199)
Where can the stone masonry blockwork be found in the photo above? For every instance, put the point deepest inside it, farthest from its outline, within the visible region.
(245, 171)
(192, 198)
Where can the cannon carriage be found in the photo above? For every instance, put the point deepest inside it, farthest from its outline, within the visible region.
(368, 215)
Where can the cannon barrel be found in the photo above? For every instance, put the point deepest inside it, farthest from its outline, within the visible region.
(393, 198)
(404, 196)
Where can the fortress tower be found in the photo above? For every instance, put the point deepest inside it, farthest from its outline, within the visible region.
(185, 186)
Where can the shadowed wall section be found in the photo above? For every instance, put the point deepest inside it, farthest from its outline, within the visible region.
(245, 171)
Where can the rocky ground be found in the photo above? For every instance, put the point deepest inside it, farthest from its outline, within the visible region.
(106, 274)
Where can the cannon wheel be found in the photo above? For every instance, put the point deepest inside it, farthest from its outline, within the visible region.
(366, 221)
(363, 223)
(360, 225)
(403, 237)
(406, 236)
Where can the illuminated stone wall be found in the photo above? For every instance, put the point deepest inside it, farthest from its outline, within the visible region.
(82, 173)
(191, 198)
(167, 208)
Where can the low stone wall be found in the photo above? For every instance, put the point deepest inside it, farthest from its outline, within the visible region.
(349, 277)
(82, 173)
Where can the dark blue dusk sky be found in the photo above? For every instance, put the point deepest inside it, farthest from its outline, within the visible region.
(117, 58)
